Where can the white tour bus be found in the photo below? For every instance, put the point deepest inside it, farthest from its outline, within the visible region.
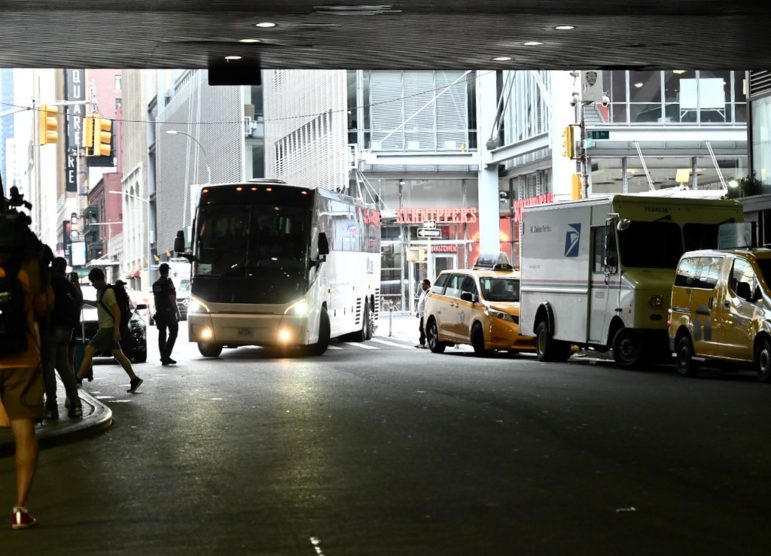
(281, 265)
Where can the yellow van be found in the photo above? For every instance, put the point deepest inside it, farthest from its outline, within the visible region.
(721, 310)
(478, 306)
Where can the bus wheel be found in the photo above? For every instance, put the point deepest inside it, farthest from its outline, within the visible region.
(627, 349)
(366, 327)
(684, 362)
(432, 337)
(321, 346)
(763, 359)
(209, 350)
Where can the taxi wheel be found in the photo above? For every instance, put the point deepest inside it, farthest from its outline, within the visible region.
(432, 337)
(763, 360)
(684, 362)
(478, 340)
(627, 349)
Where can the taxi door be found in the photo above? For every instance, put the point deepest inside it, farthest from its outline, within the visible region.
(737, 312)
(448, 323)
(703, 303)
(465, 309)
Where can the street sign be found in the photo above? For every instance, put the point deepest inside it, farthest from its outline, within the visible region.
(428, 232)
(599, 134)
(429, 224)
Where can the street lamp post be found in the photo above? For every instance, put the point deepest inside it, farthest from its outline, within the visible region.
(205, 155)
(147, 228)
(208, 173)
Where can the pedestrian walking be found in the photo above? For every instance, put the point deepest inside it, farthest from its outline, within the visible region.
(108, 334)
(425, 284)
(166, 314)
(64, 318)
(24, 300)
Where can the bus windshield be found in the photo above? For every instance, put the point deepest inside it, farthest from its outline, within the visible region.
(251, 253)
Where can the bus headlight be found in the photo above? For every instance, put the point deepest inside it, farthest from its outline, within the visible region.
(299, 309)
(284, 336)
(197, 306)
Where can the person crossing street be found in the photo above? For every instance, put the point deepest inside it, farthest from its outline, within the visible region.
(166, 314)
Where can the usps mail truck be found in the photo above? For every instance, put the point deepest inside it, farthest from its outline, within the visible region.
(598, 273)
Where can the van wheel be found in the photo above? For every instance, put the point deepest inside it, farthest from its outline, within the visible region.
(209, 350)
(432, 337)
(627, 348)
(763, 360)
(478, 340)
(547, 348)
(684, 362)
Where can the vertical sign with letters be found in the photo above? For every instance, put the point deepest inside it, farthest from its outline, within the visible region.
(75, 89)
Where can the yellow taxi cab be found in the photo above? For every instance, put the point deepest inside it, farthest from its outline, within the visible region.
(478, 306)
(721, 310)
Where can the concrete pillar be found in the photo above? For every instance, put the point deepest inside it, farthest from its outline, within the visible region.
(487, 102)
(562, 114)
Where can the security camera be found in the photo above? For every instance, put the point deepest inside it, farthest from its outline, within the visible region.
(503, 196)
(605, 101)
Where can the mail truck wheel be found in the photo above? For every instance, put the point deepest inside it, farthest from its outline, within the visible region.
(627, 348)
(763, 359)
(684, 362)
(547, 348)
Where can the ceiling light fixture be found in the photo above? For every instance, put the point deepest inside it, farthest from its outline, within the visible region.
(232, 58)
(678, 72)
(532, 43)
(502, 59)
(249, 41)
(564, 27)
(638, 84)
(266, 24)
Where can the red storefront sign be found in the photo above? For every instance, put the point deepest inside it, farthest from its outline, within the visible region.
(438, 215)
(537, 200)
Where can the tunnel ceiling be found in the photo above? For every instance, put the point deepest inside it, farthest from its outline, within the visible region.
(414, 34)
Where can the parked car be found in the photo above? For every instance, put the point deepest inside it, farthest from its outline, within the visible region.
(183, 297)
(135, 346)
(721, 310)
(478, 306)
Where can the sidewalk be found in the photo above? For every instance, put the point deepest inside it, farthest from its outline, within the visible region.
(96, 417)
(398, 325)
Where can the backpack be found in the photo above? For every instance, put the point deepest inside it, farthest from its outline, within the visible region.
(67, 303)
(13, 250)
(124, 304)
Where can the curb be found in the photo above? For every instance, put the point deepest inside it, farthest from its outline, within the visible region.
(97, 417)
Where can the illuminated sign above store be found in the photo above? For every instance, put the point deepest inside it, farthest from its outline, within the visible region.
(437, 215)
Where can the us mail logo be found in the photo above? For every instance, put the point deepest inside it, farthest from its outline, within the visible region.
(572, 240)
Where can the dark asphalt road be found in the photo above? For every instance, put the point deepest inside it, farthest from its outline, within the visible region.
(392, 451)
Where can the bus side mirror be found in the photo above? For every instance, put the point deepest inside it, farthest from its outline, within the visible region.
(179, 242)
(323, 245)
(179, 246)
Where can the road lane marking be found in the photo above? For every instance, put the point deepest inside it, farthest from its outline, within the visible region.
(359, 345)
(393, 344)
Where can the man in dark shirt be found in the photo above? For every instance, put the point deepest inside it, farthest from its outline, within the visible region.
(166, 314)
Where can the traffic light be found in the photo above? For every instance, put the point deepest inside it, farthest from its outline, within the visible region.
(568, 143)
(48, 125)
(97, 136)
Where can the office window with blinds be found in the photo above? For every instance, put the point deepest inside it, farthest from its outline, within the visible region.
(418, 110)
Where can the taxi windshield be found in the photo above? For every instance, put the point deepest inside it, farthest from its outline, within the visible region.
(500, 289)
